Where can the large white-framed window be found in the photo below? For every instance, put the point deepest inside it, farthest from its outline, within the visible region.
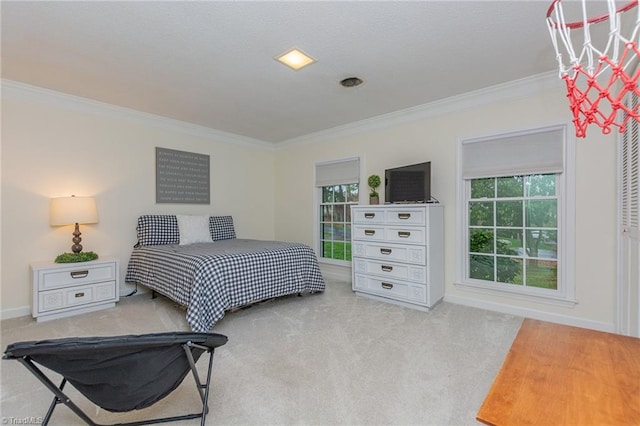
(517, 212)
(337, 185)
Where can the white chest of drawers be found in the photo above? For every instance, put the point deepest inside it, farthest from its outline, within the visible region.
(398, 253)
(65, 289)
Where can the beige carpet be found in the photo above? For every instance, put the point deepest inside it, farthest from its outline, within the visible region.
(326, 359)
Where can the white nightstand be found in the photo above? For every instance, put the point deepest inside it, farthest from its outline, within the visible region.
(65, 289)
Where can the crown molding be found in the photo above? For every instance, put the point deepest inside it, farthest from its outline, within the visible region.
(499, 93)
(22, 91)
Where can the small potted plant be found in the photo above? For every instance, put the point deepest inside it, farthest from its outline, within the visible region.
(374, 182)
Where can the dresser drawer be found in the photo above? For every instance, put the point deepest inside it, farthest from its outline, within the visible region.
(390, 270)
(51, 300)
(391, 288)
(365, 216)
(391, 252)
(406, 217)
(406, 235)
(75, 275)
(369, 233)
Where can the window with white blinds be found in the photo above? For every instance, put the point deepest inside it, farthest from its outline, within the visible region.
(337, 186)
(338, 172)
(514, 154)
(516, 217)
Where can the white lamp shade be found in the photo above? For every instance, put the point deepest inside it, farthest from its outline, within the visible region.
(70, 210)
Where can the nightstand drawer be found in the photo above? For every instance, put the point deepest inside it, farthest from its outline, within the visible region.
(81, 295)
(76, 275)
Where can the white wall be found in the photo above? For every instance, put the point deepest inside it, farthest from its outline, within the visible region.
(56, 145)
(430, 135)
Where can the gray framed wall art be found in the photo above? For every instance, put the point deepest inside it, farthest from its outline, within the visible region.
(182, 177)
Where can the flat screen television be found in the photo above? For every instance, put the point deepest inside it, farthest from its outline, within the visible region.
(408, 184)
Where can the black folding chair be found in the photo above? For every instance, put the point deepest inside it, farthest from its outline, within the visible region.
(120, 373)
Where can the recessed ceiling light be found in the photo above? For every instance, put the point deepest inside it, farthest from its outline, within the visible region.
(351, 82)
(295, 59)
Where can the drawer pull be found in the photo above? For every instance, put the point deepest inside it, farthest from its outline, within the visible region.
(385, 251)
(79, 274)
(387, 286)
(404, 215)
(369, 215)
(386, 268)
(404, 234)
(369, 232)
(79, 294)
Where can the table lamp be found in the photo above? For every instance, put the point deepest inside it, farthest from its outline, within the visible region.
(70, 210)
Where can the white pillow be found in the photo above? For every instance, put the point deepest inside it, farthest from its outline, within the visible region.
(194, 229)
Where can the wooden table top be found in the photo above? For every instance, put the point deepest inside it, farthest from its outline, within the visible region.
(561, 375)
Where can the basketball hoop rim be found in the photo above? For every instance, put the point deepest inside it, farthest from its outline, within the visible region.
(595, 20)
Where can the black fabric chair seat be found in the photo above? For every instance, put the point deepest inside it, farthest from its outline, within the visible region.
(120, 373)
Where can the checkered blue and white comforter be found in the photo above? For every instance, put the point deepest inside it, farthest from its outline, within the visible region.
(210, 278)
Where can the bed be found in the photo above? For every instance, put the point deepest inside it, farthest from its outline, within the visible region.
(213, 273)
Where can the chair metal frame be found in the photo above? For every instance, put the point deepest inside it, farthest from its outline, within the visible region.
(61, 398)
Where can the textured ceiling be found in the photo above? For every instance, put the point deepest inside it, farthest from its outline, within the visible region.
(211, 63)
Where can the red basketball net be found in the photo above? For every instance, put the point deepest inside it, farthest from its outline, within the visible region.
(598, 80)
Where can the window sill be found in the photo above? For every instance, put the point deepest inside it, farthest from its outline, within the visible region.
(555, 300)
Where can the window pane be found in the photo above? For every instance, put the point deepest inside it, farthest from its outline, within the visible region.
(481, 240)
(542, 274)
(509, 241)
(326, 213)
(483, 188)
(352, 193)
(338, 251)
(338, 213)
(549, 245)
(541, 185)
(327, 231)
(327, 194)
(509, 270)
(480, 213)
(508, 213)
(326, 249)
(512, 186)
(541, 243)
(338, 232)
(339, 195)
(542, 213)
(347, 232)
(481, 267)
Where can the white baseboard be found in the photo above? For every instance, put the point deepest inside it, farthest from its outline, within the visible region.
(339, 273)
(532, 313)
(26, 310)
(15, 312)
